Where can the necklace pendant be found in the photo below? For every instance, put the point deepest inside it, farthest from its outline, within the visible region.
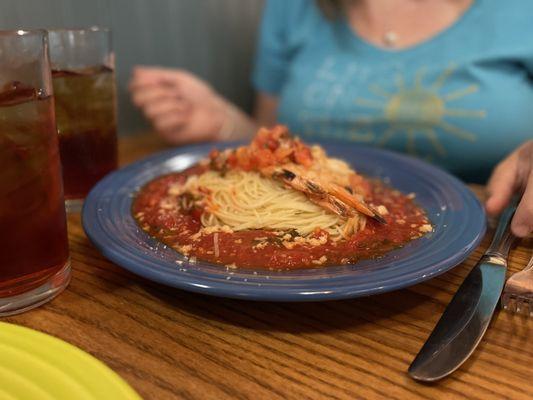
(390, 39)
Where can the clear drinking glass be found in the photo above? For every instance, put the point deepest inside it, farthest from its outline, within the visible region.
(84, 91)
(34, 257)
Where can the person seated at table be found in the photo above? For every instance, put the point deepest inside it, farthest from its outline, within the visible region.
(450, 81)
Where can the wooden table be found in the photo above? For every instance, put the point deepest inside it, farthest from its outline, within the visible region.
(170, 344)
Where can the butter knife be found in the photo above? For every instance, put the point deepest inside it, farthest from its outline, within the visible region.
(468, 315)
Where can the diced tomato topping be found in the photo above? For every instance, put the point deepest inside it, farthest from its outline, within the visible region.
(269, 147)
(282, 154)
(243, 159)
(302, 154)
(263, 158)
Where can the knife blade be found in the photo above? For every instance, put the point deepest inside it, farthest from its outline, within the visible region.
(470, 311)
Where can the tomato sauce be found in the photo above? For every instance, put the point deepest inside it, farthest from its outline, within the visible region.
(405, 222)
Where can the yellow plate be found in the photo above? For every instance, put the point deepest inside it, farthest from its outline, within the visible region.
(38, 366)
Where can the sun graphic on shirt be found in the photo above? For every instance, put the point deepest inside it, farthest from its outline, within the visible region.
(419, 110)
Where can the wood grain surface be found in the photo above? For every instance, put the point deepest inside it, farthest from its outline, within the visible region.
(170, 344)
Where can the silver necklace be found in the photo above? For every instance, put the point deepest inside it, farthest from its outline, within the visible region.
(390, 38)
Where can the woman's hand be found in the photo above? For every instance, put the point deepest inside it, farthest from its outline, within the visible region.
(514, 174)
(180, 106)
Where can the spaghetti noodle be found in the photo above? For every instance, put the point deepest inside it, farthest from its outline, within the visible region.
(246, 200)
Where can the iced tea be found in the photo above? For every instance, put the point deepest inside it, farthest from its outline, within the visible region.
(33, 235)
(86, 123)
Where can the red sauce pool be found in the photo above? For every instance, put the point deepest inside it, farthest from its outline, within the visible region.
(240, 248)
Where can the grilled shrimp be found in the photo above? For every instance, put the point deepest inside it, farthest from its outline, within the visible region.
(330, 196)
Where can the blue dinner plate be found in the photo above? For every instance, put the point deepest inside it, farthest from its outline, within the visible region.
(457, 216)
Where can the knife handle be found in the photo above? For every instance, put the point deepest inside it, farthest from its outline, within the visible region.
(503, 238)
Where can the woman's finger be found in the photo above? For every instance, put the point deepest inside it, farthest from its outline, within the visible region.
(143, 97)
(170, 122)
(136, 86)
(502, 185)
(157, 109)
(176, 130)
(522, 224)
(155, 78)
(155, 75)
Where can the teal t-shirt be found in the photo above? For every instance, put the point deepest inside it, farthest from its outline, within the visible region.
(462, 99)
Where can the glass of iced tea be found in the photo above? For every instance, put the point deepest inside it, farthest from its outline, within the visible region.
(34, 256)
(84, 91)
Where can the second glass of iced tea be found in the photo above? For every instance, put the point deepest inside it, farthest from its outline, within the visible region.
(84, 91)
